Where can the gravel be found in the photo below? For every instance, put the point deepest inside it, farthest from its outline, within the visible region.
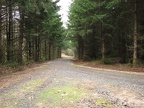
(122, 90)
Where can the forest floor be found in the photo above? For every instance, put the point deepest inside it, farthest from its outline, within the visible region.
(117, 66)
(62, 84)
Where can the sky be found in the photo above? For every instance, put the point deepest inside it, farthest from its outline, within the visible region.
(64, 10)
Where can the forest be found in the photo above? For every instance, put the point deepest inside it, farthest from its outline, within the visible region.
(95, 59)
(109, 30)
(30, 31)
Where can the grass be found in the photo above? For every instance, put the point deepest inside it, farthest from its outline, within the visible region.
(31, 85)
(62, 95)
(53, 95)
(10, 101)
(11, 64)
(103, 101)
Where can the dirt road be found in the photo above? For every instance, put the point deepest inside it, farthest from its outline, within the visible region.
(61, 84)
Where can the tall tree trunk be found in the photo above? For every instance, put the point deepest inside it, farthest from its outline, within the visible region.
(49, 51)
(45, 50)
(101, 33)
(29, 50)
(102, 42)
(59, 52)
(21, 35)
(80, 47)
(1, 54)
(39, 47)
(135, 35)
(8, 33)
(103, 48)
(36, 49)
(33, 48)
(11, 31)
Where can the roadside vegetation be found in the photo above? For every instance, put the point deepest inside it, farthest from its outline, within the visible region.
(30, 31)
(107, 30)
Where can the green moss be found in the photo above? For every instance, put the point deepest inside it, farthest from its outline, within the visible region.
(109, 105)
(103, 101)
(62, 95)
(24, 88)
(31, 85)
(11, 64)
(100, 101)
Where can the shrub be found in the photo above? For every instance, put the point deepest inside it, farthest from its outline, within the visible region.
(107, 61)
(11, 64)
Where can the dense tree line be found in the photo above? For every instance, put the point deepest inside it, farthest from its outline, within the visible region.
(30, 30)
(103, 29)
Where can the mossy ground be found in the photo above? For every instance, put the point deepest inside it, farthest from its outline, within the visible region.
(31, 85)
(69, 95)
(103, 102)
(62, 95)
(9, 99)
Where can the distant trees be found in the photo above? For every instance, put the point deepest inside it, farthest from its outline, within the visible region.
(105, 29)
(30, 30)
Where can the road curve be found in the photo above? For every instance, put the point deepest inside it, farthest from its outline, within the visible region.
(120, 89)
(124, 80)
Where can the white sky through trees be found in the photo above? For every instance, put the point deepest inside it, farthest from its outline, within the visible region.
(65, 4)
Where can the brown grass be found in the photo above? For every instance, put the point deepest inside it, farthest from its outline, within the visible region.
(118, 66)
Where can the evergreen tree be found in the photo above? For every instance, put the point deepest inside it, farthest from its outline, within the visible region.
(107, 29)
(30, 30)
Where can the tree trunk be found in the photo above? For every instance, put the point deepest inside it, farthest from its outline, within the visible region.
(46, 50)
(103, 48)
(11, 32)
(49, 51)
(102, 42)
(80, 47)
(36, 48)
(39, 47)
(135, 35)
(59, 52)
(21, 35)
(1, 54)
(8, 34)
(29, 50)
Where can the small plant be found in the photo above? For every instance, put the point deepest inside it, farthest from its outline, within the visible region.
(11, 64)
(107, 61)
(103, 102)
(31, 85)
(62, 95)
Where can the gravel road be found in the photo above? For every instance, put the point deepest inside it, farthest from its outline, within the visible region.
(104, 88)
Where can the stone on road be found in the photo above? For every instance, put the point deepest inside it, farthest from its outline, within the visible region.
(60, 84)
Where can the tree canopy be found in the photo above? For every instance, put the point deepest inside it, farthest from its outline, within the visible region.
(30, 30)
(106, 29)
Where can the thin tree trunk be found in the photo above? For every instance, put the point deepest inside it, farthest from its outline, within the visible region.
(8, 34)
(102, 34)
(33, 48)
(1, 54)
(36, 49)
(11, 32)
(59, 52)
(21, 35)
(29, 50)
(39, 48)
(49, 51)
(135, 35)
(103, 48)
(45, 50)
(80, 48)
(102, 42)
